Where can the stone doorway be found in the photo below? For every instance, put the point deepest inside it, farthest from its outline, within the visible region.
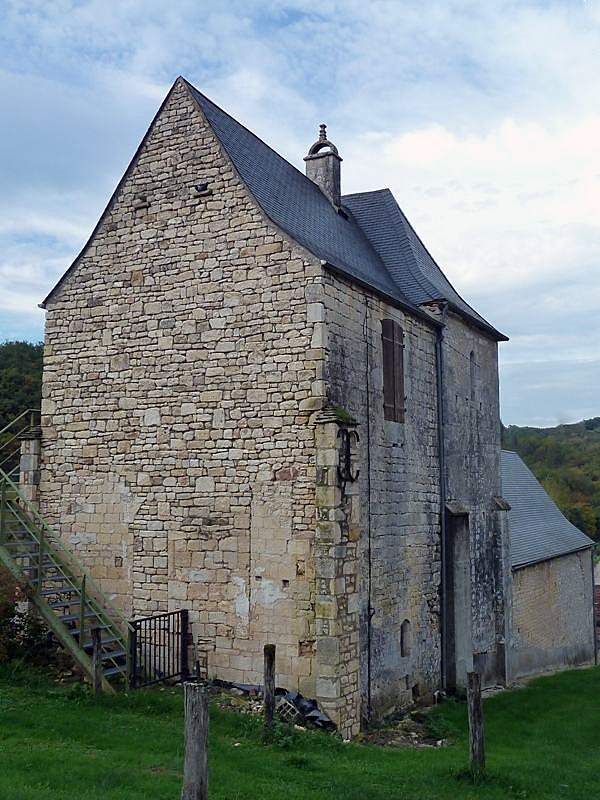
(458, 629)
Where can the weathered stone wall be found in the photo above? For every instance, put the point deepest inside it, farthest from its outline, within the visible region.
(336, 552)
(181, 366)
(553, 623)
(398, 488)
(472, 461)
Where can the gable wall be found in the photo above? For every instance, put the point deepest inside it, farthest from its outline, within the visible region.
(401, 505)
(180, 367)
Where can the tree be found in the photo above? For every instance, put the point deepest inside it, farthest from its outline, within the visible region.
(20, 379)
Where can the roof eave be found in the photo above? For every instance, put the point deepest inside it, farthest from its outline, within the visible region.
(485, 327)
(389, 298)
(533, 563)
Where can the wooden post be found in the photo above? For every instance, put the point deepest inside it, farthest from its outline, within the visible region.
(195, 767)
(82, 614)
(269, 686)
(40, 566)
(476, 732)
(2, 510)
(97, 659)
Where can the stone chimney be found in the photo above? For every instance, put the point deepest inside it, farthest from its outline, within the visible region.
(323, 167)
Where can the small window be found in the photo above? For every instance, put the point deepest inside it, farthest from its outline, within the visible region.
(472, 373)
(392, 337)
(405, 639)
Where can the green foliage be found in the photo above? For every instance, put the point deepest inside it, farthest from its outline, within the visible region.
(566, 460)
(61, 743)
(23, 637)
(20, 379)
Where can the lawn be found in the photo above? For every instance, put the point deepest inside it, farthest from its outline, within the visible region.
(58, 743)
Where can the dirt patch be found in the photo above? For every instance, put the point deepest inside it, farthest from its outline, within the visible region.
(411, 730)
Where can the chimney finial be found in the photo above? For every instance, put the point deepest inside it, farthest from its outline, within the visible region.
(323, 167)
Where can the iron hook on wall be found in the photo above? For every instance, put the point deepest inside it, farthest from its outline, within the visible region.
(345, 465)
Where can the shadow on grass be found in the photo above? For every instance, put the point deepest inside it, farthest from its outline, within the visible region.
(485, 778)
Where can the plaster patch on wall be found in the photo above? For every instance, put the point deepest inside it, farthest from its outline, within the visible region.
(242, 603)
(267, 594)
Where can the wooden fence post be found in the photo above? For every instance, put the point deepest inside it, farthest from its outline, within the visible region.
(195, 767)
(269, 686)
(476, 731)
(97, 659)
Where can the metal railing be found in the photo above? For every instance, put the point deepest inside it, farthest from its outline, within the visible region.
(159, 649)
(10, 440)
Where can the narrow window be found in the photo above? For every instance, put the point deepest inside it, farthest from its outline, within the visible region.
(472, 373)
(405, 639)
(392, 337)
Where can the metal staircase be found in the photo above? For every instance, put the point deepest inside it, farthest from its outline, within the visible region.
(65, 595)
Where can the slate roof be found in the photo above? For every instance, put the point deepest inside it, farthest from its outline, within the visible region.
(538, 529)
(375, 245)
(372, 243)
(297, 205)
(407, 259)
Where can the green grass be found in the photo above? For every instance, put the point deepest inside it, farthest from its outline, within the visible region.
(58, 743)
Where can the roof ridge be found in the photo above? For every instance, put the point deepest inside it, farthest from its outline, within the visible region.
(369, 191)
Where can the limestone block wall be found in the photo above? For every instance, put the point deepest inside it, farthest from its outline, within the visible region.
(337, 600)
(553, 622)
(472, 458)
(398, 487)
(181, 367)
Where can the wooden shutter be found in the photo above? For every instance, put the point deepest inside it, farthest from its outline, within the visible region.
(392, 337)
(399, 372)
(389, 395)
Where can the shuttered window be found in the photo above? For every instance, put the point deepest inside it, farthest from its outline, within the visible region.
(392, 337)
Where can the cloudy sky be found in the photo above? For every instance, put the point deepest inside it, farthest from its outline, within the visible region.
(482, 117)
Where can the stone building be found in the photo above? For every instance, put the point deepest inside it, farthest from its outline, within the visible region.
(552, 579)
(263, 401)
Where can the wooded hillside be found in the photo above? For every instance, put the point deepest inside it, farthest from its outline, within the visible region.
(566, 460)
(20, 379)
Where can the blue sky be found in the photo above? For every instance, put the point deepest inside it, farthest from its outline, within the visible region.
(482, 117)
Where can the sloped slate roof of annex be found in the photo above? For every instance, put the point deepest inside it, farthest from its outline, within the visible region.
(538, 529)
(374, 245)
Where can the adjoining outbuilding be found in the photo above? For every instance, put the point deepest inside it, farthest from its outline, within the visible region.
(552, 579)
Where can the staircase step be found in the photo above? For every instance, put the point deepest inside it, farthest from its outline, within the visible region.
(114, 654)
(76, 632)
(114, 671)
(24, 541)
(63, 603)
(73, 617)
(70, 589)
(52, 578)
(105, 640)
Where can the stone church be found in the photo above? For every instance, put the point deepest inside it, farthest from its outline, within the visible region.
(264, 402)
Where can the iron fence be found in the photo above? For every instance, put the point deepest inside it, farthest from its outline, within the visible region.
(159, 649)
